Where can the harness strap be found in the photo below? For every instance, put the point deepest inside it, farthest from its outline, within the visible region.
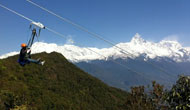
(32, 38)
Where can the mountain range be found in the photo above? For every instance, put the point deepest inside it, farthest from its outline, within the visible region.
(133, 49)
(143, 61)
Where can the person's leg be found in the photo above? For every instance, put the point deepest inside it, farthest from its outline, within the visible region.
(33, 61)
(36, 61)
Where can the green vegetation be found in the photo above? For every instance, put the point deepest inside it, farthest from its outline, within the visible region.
(60, 85)
(179, 96)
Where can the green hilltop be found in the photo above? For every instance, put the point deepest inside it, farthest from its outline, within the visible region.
(58, 85)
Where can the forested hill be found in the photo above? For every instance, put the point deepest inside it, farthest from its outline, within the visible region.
(57, 85)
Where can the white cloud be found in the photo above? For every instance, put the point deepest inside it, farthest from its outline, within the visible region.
(172, 38)
(70, 40)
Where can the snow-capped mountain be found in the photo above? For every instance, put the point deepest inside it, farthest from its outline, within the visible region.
(162, 61)
(135, 48)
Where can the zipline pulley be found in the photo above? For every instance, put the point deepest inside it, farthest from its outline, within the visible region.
(34, 26)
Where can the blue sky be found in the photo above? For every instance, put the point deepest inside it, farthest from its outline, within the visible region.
(115, 20)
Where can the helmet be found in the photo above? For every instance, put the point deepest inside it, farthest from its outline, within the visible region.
(23, 45)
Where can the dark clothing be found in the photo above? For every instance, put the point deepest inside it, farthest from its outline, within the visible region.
(25, 58)
(23, 53)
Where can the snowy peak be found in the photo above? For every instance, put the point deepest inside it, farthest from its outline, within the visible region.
(171, 44)
(137, 47)
(8, 55)
(137, 39)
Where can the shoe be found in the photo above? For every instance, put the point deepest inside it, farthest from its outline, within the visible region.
(42, 63)
(39, 59)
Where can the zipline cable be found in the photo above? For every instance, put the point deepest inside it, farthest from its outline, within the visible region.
(93, 34)
(16, 13)
(77, 25)
(129, 69)
(61, 35)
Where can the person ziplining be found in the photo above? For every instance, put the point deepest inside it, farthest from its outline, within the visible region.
(25, 52)
(27, 56)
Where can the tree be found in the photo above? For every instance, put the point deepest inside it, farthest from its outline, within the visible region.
(154, 99)
(179, 96)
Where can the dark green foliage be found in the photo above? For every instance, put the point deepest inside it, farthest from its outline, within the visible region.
(58, 85)
(138, 100)
(179, 96)
(151, 100)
